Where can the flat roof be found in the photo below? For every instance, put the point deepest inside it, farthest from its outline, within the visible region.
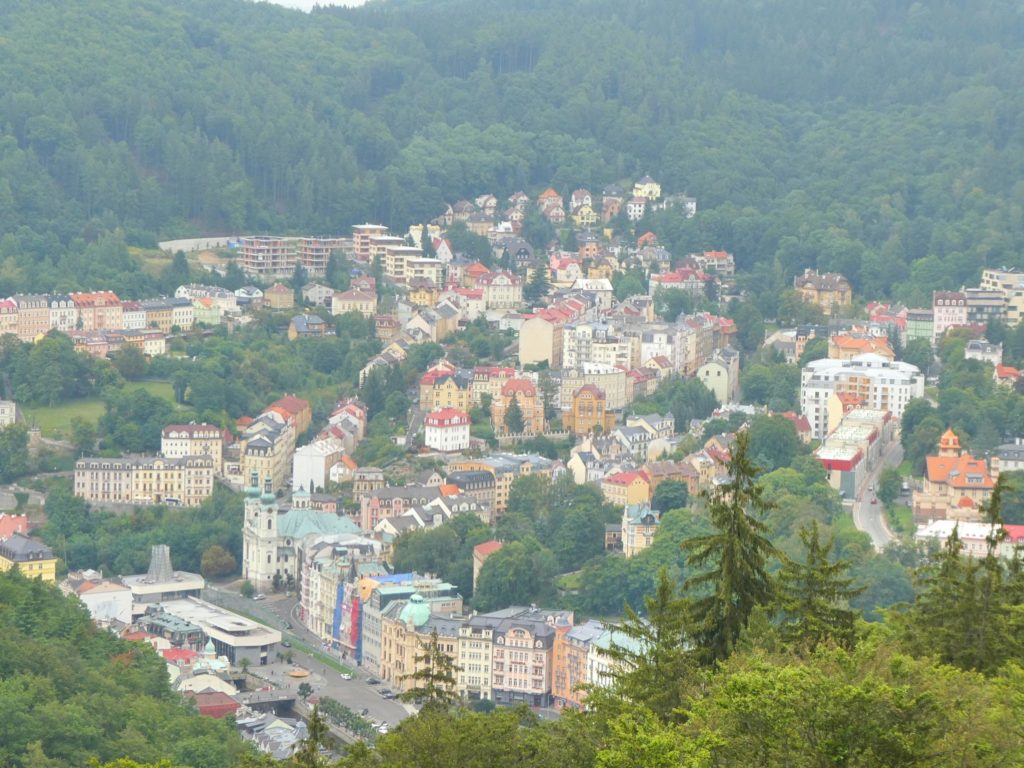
(221, 624)
(141, 585)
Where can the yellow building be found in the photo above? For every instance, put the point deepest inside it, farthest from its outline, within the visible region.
(588, 411)
(185, 481)
(829, 291)
(626, 488)
(584, 216)
(34, 560)
(647, 188)
(524, 392)
(406, 630)
(442, 386)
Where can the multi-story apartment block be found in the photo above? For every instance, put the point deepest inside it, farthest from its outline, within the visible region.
(406, 627)
(361, 236)
(875, 381)
(446, 430)
(396, 259)
(8, 317)
(159, 314)
(183, 313)
(721, 374)
(502, 290)
(1010, 283)
(133, 316)
(609, 379)
(521, 656)
(33, 315)
(505, 467)
(63, 314)
(476, 644)
(98, 310)
(266, 449)
(569, 663)
(949, 310)
(313, 253)
(180, 440)
(184, 481)
(531, 406)
(264, 256)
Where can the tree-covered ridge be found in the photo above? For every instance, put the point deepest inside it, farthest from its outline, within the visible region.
(72, 692)
(880, 139)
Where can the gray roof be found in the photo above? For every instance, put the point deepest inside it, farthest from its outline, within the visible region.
(20, 548)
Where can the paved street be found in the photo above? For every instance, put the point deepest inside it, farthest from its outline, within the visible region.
(275, 611)
(870, 517)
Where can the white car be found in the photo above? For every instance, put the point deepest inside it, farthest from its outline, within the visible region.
(346, 676)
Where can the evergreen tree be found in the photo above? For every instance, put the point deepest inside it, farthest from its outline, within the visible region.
(427, 244)
(308, 755)
(299, 278)
(653, 666)
(435, 678)
(738, 553)
(538, 286)
(515, 424)
(547, 387)
(967, 611)
(813, 595)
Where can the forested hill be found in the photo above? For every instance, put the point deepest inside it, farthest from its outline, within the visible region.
(882, 138)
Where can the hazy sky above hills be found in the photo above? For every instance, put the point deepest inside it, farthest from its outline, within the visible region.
(308, 4)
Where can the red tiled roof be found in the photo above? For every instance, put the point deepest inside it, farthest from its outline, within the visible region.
(487, 548)
(518, 386)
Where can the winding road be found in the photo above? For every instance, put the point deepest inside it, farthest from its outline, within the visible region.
(869, 516)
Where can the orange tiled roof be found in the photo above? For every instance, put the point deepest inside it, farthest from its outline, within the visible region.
(955, 470)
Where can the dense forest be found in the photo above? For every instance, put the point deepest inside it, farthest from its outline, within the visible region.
(73, 693)
(881, 138)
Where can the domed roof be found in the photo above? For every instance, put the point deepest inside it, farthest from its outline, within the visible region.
(209, 650)
(415, 612)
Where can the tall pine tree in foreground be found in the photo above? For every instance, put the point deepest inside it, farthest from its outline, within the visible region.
(968, 611)
(653, 665)
(434, 681)
(813, 596)
(735, 557)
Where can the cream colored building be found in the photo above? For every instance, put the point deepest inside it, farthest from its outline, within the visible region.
(502, 290)
(540, 339)
(475, 655)
(353, 300)
(266, 449)
(610, 380)
(406, 630)
(183, 481)
(180, 440)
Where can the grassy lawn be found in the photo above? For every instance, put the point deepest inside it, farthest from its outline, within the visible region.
(55, 421)
(901, 519)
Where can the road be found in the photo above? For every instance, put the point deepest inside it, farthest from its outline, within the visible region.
(870, 517)
(275, 611)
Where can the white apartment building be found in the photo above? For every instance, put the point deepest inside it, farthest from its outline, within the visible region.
(311, 464)
(950, 311)
(876, 382)
(446, 430)
(180, 440)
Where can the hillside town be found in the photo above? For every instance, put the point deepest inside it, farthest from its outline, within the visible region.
(567, 399)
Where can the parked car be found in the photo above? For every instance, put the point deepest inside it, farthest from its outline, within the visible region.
(387, 693)
(372, 681)
(259, 596)
(286, 644)
(346, 676)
